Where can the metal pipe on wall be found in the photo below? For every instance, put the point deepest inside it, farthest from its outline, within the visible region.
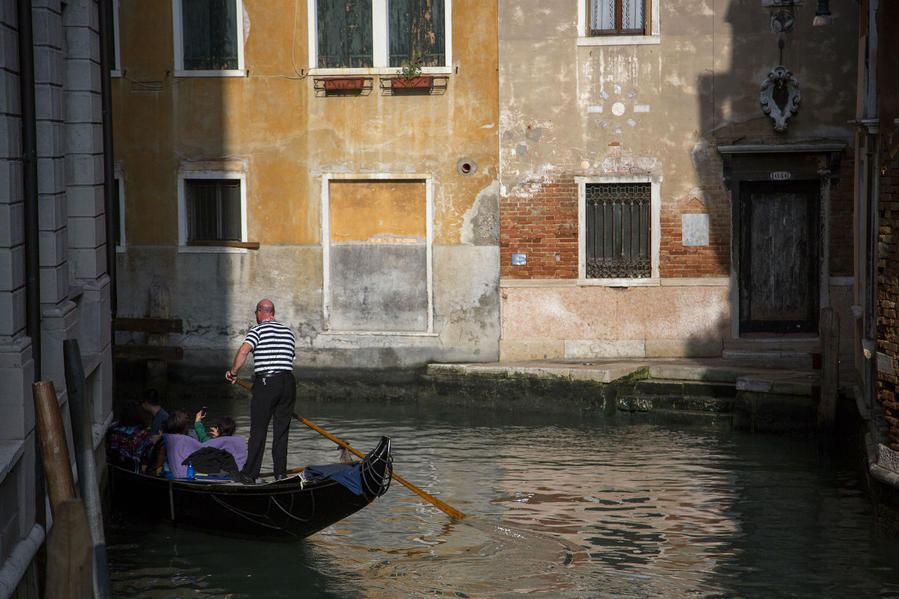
(32, 224)
(111, 202)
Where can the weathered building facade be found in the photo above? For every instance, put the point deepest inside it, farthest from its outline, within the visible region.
(272, 149)
(55, 284)
(675, 178)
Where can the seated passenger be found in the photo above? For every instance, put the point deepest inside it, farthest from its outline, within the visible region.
(128, 438)
(224, 427)
(223, 454)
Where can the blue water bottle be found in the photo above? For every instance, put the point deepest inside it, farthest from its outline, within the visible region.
(190, 470)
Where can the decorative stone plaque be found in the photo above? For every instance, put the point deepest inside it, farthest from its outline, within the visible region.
(780, 96)
(694, 229)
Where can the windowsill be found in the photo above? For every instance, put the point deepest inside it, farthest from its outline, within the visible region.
(642, 282)
(214, 73)
(115, 73)
(247, 245)
(619, 40)
(210, 249)
(649, 282)
(372, 71)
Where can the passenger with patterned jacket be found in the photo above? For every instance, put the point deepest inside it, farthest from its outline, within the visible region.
(274, 389)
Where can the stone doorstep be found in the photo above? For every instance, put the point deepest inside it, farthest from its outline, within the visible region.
(777, 358)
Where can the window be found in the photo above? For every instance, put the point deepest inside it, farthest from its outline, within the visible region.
(619, 229)
(618, 22)
(208, 37)
(380, 34)
(417, 33)
(617, 17)
(212, 209)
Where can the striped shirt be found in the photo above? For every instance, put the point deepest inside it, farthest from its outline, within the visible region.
(273, 345)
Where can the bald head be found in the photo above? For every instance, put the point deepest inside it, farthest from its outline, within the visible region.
(265, 310)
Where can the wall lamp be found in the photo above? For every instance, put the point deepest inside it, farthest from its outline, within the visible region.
(822, 14)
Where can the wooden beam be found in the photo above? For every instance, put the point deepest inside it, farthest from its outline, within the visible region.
(149, 325)
(165, 353)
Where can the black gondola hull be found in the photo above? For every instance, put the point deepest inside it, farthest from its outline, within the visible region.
(289, 509)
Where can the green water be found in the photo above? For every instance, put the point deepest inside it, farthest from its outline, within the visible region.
(557, 507)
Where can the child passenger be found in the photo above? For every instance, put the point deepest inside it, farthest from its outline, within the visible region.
(225, 427)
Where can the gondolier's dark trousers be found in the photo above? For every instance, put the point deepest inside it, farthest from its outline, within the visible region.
(274, 396)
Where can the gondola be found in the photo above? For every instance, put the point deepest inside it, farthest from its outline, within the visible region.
(289, 509)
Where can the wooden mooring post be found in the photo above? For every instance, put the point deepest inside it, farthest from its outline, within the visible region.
(829, 329)
(69, 547)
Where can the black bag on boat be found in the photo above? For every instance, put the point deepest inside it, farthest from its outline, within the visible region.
(211, 460)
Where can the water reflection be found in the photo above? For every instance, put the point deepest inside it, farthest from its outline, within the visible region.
(565, 508)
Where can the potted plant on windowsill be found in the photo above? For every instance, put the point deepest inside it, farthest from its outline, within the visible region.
(411, 78)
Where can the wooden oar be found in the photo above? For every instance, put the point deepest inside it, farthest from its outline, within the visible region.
(447, 509)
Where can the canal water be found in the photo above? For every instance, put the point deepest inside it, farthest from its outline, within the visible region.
(621, 507)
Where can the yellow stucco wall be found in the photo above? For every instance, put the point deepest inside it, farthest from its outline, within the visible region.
(285, 135)
(377, 210)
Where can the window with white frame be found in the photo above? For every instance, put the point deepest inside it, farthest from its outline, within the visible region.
(380, 34)
(618, 22)
(619, 229)
(208, 37)
(617, 17)
(212, 209)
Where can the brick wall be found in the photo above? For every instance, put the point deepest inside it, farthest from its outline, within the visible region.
(841, 205)
(713, 260)
(543, 225)
(888, 291)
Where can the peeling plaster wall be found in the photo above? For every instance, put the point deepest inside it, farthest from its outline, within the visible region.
(287, 140)
(573, 108)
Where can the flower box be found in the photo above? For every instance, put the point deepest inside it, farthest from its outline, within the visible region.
(421, 82)
(335, 84)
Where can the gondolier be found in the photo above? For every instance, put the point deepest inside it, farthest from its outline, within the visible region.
(274, 390)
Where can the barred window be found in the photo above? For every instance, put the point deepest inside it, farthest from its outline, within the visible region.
(213, 209)
(618, 230)
(617, 17)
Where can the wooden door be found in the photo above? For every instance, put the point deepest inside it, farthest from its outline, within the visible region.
(778, 257)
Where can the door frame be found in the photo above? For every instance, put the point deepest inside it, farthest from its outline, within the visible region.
(752, 163)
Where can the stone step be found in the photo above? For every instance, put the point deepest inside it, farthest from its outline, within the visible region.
(687, 388)
(774, 358)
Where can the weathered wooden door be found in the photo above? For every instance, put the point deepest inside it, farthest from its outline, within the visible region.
(778, 257)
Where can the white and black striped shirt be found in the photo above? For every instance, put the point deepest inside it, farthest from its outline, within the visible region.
(274, 346)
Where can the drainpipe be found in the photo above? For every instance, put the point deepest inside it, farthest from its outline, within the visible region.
(111, 202)
(32, 253)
